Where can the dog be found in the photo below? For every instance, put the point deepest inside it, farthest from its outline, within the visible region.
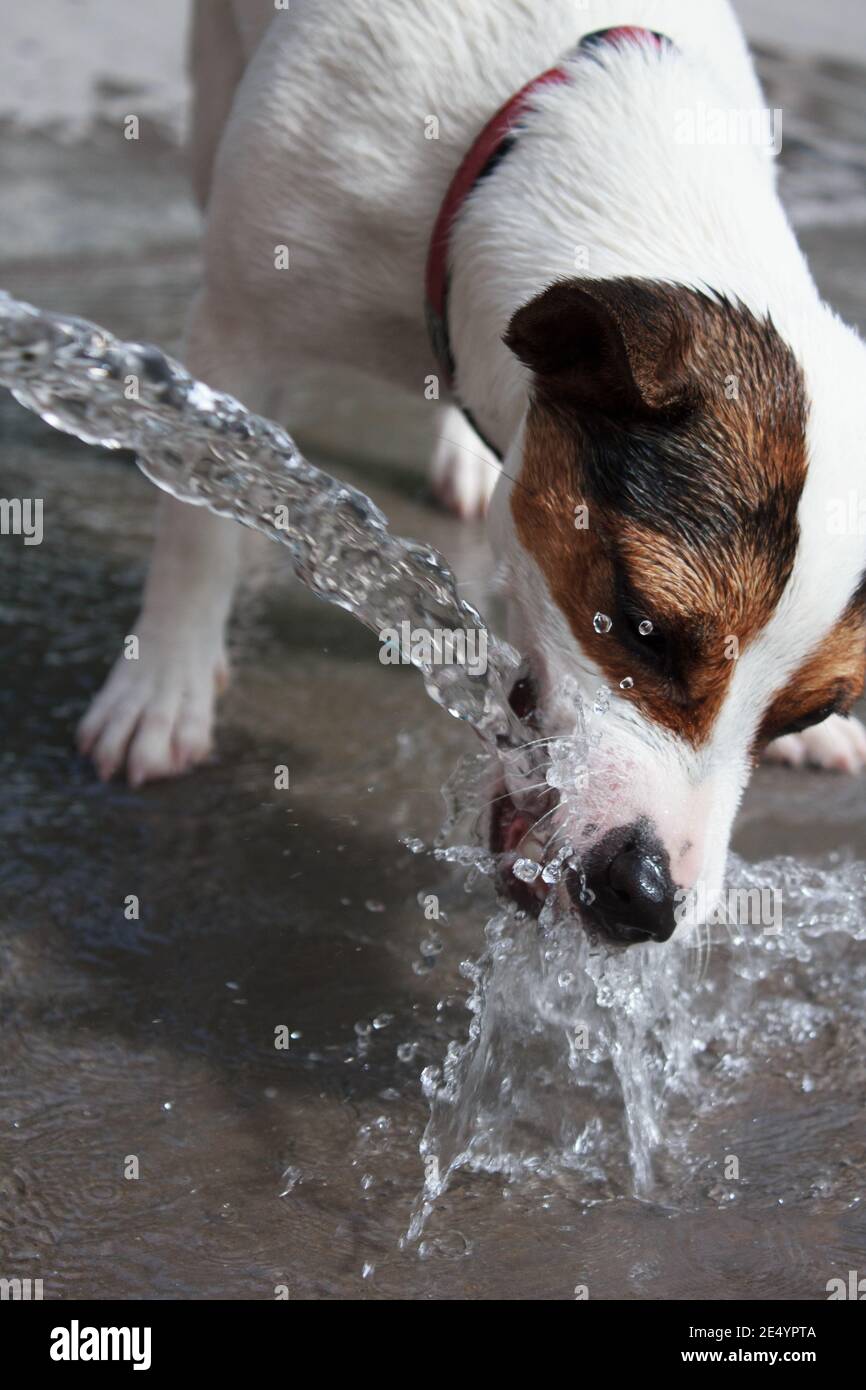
(637, 358)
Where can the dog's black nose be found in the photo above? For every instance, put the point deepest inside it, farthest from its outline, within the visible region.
(628, 873)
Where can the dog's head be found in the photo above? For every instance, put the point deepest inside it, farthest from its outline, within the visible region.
(666, 538)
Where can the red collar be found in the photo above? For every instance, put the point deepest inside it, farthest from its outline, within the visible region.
(487, 149)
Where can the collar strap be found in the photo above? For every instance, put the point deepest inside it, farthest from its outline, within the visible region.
(484, 154)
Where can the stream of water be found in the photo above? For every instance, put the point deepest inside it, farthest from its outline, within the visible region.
(206, 449)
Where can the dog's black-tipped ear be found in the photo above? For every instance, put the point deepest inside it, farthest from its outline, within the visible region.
(615, 346)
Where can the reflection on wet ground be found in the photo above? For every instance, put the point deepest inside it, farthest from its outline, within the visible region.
(154, 1035)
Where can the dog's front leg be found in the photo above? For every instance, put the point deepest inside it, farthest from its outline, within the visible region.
(837, 744)
(154, 714)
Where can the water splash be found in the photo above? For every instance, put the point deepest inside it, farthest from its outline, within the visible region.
(573, 1049)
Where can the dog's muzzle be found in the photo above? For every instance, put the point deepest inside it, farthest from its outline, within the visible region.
(622, 890)
(628, 873)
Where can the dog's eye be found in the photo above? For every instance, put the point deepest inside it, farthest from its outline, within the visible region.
(647, 640)
(642, 634)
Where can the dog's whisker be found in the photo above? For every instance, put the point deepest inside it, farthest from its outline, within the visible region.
(534, 827)
(506, 796)
(534, 743)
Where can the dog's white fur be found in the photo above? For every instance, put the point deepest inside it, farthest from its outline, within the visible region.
(309, 132)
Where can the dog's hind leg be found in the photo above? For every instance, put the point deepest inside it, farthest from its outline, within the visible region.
(838, 745)
(463, 470)
(215, 60)
(154, 714)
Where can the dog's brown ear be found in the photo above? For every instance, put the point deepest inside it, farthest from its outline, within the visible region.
(615, 346)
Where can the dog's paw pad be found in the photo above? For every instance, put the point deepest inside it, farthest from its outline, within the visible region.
(838, 745)
(463, 471)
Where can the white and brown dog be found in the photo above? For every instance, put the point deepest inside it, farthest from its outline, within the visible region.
(629, 324)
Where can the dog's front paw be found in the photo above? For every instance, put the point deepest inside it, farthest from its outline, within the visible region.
(838, 744)
(155, 714)
(463, 471)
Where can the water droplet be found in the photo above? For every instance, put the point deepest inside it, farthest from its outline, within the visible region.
(453, 1245)
(291, 1178)
(626, 684)
(645, 628)
(430, 1078)
(413, 844)
(406, 1051)
(602, 623)
(601, 704)
(552, 872)
(527, 870)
